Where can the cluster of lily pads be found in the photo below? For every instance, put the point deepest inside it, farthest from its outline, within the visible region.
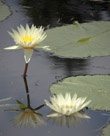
(72, 41)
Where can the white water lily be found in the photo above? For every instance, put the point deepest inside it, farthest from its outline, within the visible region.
(28, 39)
(66, 105)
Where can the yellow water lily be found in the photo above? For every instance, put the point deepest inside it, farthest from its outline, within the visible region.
(66, 105)
(27, 38)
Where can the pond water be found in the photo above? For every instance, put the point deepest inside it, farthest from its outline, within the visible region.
(44, 68)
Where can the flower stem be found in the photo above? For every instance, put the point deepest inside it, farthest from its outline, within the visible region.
(25, 69)
(27, 91)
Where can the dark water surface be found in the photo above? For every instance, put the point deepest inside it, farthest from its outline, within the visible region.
(45, 69)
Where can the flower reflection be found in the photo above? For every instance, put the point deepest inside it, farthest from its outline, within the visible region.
(28, 117)
(4, 100)
(63, 120)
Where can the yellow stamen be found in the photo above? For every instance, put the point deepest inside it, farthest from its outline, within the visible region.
(27, 39)
(72, 106)
(66, 106)
(69, 106)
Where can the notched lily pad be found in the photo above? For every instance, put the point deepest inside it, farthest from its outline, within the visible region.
(80, 40)
(4, 11)
(95, 88)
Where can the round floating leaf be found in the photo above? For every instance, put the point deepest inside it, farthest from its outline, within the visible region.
(4, 11)
(106, 131)
(80, 40)
(95, 88)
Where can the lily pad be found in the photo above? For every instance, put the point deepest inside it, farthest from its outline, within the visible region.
(4, 11)
(95, 88)
(106, 131)
(80, 40)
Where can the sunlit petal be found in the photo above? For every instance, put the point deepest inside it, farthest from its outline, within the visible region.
(43, 47)
(13, 47)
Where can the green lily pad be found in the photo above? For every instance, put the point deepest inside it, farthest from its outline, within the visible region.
(79, 40)
(95, 88)
(4, 11)
(106, 131)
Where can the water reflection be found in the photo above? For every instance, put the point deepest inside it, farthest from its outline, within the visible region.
(28, 115)
(4, 100)
(59, 12)
(69, 66)
(62, 120)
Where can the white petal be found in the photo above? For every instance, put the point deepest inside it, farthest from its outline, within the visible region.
(74, 98)
(27, 30)
(85, 104)
(45, 47)
(11, 34)
(82, 115)
(19, 30)
(55, 114)
(13, 47)
(16, 37)
(49, 104)
(22, 29)
(28, 54)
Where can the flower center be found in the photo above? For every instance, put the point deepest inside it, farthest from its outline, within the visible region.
(28, 47)
(67, 106)
(27, 39)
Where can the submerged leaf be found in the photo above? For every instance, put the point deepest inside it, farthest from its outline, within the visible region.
(95, 88)
(80, 40)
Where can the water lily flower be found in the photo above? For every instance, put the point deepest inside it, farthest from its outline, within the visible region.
(66, 105)
(28, 39)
